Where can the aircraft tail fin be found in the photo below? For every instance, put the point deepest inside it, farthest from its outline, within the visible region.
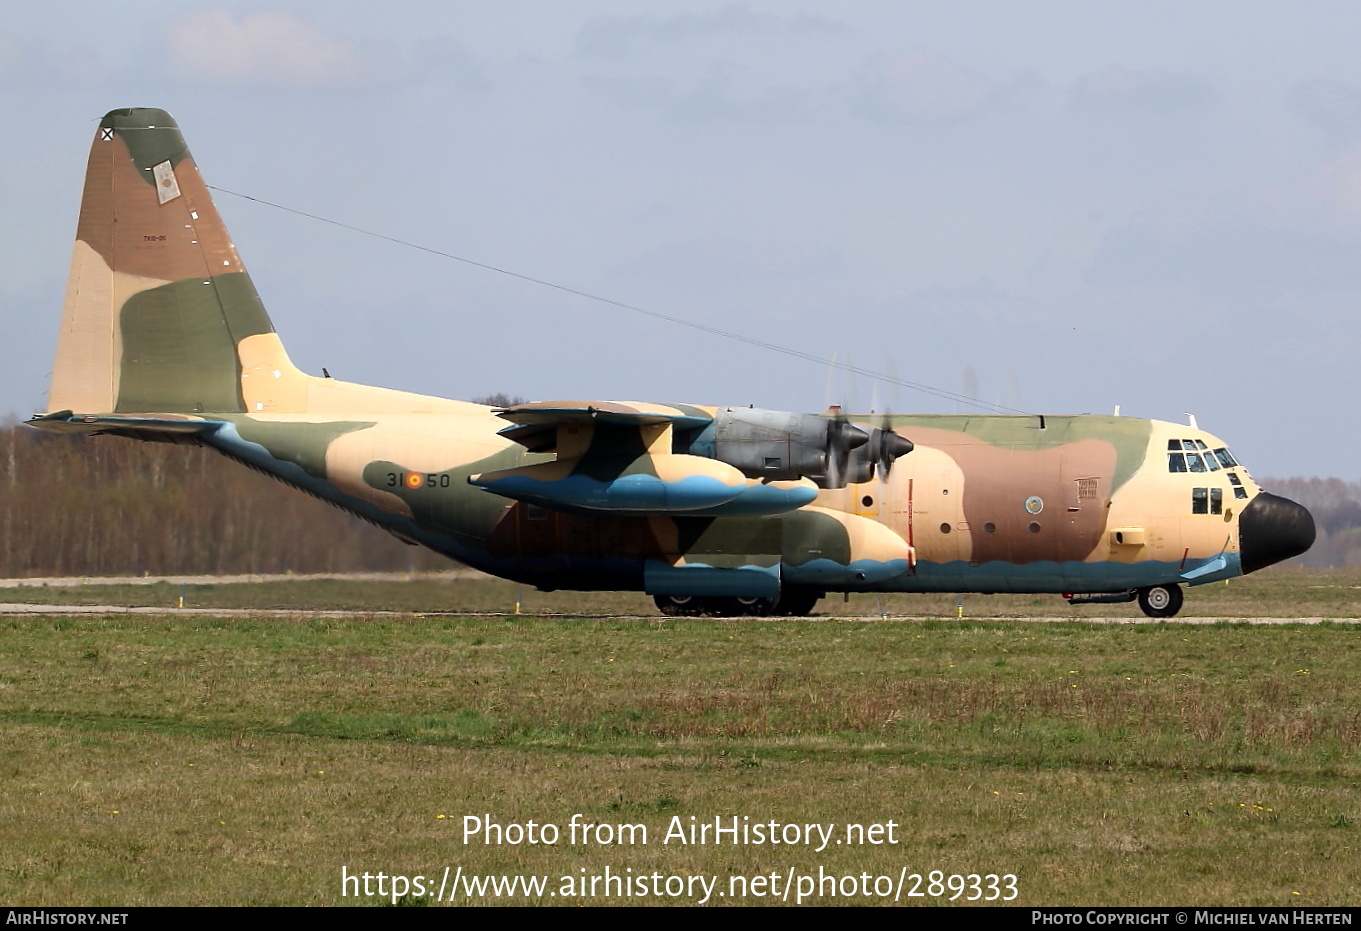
(160, 315)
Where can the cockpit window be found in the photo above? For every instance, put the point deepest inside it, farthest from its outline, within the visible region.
(1185, 455)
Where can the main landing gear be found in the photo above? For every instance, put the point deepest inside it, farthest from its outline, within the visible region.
(791, 602)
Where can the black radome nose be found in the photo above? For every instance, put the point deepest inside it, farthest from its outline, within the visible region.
(1272, 529)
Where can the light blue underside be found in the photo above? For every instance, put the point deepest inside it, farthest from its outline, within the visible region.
(694, 495)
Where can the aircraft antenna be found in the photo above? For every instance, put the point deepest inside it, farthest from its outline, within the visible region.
(655, 314)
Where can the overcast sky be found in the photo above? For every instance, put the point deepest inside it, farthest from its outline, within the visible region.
(1059, 207)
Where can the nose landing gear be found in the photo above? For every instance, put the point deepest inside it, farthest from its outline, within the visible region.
(1160, 600)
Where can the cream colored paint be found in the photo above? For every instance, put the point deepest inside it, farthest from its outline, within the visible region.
(868, 539)
(85, 376)
(413, 442)
(937, 498)
(1159, 501)
(271, 383)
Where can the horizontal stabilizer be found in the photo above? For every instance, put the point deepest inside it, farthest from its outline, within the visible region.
(68, 422)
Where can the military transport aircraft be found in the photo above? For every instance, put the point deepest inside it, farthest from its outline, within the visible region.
(715, 510)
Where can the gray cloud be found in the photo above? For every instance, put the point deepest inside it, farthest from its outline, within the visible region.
(1127, 91)
(1330, 106)
(616, 37)
(259, 49)
(914, 85)
(716, 96)
(447, 60)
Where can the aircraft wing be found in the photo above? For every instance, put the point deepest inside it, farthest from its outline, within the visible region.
(536, 426)
(618, 457)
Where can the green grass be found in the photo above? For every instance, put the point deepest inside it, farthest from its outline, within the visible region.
(193, 760)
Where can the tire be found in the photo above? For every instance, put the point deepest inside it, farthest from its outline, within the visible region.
(796, 602)
(681, 605)
(743, 607)
(1160, 600)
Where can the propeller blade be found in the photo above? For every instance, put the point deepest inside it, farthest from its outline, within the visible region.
(842, 437)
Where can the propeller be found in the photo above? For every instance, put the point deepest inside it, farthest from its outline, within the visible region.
(843, 438)
(857, 454)
(885, 448)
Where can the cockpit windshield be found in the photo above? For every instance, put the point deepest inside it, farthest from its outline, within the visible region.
(1195, 456)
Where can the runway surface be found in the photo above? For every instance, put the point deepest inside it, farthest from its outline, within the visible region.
(827, 611)
(27, 610)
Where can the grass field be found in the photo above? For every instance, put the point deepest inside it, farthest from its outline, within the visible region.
(248, 760)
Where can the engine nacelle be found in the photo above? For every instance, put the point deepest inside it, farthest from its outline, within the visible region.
(779, 445)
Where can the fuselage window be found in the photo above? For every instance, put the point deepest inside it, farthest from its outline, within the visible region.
(1216, 501)
(1176, 462)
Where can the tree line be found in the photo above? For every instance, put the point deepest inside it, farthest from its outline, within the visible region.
(103, 505)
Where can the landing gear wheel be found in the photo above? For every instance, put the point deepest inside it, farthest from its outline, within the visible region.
(1160, 600)
(681, 605)
(743, 607)
(795, 602)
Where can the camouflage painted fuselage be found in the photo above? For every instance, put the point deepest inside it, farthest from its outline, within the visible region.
(164, 338)
(983, 504)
